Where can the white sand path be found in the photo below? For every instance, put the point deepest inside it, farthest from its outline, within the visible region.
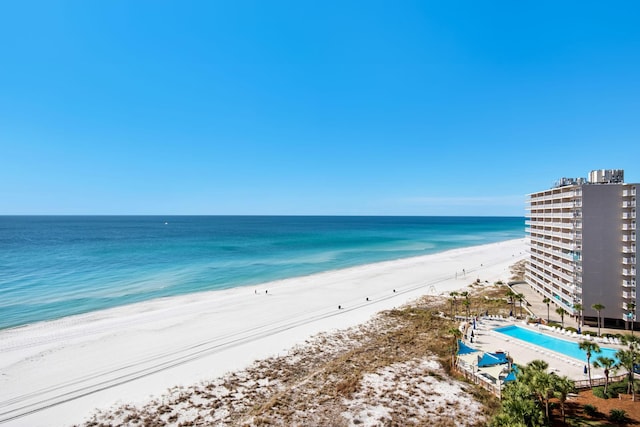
(57, 372)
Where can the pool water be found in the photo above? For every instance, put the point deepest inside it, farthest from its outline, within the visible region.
(568, 348)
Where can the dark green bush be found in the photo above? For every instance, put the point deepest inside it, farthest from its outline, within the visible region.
(617, 388)
(599, 392)
(571, 329)
(590, 410)
(617, 416)
(612, 393)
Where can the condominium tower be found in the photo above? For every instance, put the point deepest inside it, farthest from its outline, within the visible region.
(582, 238)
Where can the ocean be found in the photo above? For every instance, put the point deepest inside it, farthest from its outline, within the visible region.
(56, 266)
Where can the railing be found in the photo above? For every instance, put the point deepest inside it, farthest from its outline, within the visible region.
(478, 380)
(580, 384)
(627, 295)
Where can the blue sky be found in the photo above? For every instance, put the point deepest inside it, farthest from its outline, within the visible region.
(311, 107)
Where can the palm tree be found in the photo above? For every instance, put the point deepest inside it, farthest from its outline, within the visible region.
(628, 359)
(578, 307)
(453, 296)
(518, 409)
(632, 312)
(543, 385)
(589, 348)
(520, 299)
(598, 307)
(457, 334)
(561, 312)
(466, 303)
(562, 387)
(467, 306)
(511, 295)
(607, 364)
(547, 301)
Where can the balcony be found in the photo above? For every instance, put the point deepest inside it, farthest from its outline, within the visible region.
(628, 193)
(631, 226)
(629, 249)
(629, 271)
(629, 261)
(629, 238)
(629, 295)
(629, 283)
(627, 204)
(628, 215)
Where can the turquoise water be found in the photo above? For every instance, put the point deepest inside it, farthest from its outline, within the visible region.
(55, 266)
(568, 348)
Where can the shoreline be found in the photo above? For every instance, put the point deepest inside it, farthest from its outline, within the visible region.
(76, 364)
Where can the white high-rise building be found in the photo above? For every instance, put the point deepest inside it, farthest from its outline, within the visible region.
(583, 249)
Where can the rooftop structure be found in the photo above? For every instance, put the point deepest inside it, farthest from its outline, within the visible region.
(582, 246)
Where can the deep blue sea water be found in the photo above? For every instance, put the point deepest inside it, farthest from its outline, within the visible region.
(55, 266)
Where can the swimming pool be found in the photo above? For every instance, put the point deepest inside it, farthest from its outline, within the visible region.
(568, 348)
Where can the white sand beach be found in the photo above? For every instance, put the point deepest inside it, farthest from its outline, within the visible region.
(58, 372)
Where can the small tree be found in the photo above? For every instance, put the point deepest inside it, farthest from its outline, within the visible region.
(598, 307)
(589, 348)
(561, 312)
(547, 301)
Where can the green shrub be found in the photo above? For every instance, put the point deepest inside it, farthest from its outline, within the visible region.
(552, 323)
(599, 392)
(590, 410)
(612, 393)
(571, 329)
(617, 388)
(617, 416)
(593, 334)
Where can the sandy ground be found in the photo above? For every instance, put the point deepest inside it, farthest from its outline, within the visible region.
(56, 373)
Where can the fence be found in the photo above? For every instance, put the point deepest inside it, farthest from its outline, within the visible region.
(477, 379)
(581, 384)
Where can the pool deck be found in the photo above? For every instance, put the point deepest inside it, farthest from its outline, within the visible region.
(485, 339)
